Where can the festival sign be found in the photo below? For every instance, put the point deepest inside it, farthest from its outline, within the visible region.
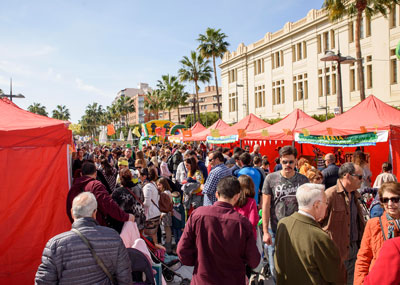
(365, 139)
(151, 126)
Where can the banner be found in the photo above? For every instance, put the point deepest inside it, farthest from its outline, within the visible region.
(241, 133)
(215, 133)
(136, 132)
(187, 133)
(365, 139)
(222, 140)
(151, 126)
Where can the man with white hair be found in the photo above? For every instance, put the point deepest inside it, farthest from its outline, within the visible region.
(67, 258)
(305, 254)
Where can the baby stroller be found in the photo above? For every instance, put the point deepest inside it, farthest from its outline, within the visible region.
(142, 272)
(168, 269)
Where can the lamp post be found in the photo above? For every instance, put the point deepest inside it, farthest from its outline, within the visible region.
(331, 56)
(2, 95)
(237, 102)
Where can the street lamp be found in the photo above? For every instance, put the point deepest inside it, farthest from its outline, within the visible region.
(331, 56)
(237, 102)
(2, 95)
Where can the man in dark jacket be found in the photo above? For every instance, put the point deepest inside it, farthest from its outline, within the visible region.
(331, 172)
(67, 259)
(107, 206)
(177, 158)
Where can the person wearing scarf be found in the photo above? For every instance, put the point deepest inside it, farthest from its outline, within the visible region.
(378, 230)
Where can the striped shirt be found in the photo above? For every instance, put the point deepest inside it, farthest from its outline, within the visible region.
(210, 187)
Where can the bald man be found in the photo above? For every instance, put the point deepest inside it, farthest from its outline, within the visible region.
(331, 172)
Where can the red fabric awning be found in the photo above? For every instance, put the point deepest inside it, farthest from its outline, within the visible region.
(202, 136)
(248, 123)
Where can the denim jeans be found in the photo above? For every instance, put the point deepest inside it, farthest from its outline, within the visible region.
(177, 234)
(271, 252)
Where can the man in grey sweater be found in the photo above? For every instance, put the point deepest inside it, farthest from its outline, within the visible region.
(67, 259)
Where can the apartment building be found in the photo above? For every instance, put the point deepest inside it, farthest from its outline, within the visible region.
(283, 70)
(138, 94)
(207, 100)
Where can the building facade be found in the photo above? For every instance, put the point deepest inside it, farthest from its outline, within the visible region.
(207, 100)
(139, 96)
(283, 71)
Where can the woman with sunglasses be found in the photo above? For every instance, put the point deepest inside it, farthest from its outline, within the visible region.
(378, 230)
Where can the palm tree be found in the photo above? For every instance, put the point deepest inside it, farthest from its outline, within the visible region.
(92, 118)
(154, 102)
(213, 44)
(37, 108)
(195, 69)
(61, 113)
(337, 9)
(170, 88)
(125, 105)
(181, 99)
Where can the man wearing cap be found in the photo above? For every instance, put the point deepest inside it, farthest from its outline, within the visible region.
(331, 171)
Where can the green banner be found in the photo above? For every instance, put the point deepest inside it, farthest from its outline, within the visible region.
(222, 140)
(365, 139)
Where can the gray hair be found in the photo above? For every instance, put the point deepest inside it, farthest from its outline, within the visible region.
(345, 168)
(84, 205)
(308, 193)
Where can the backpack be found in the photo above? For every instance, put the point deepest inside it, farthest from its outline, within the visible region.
(164, 203)
(170, 163)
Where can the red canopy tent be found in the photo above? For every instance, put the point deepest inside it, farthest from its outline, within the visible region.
(34, 184)
(202, 136)
(285, 128)
(195, 129)
(248, 123)
(370, 115)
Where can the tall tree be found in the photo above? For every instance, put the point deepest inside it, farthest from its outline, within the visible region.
(37, 108)
(92, 119)
(194, 69)
(125, 105)
(213, 45)
(154, 102)
(337, 9)
(181, 98)
(172, 92)
(61, 113)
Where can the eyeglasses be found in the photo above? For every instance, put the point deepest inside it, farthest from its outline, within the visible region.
(138, 167)
(360, 177)
(393, 199)
(287, 161)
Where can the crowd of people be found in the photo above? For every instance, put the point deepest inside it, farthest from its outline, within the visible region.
(220, 210)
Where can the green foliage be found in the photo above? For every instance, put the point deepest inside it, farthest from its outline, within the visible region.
(61, 113)
(322, 117)
(206, 119)
(37, 108)
(272, 121)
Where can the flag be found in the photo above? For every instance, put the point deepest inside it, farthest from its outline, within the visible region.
(241, 133)
(363, 129)
(187, 133)
(110, 130)
(215, 133)
(136, 132)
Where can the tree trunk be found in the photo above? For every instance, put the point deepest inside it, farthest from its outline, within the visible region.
(197, 100)
(179, 116)
(360, 71)
(194, 107)
(216, 86)
(169, 115)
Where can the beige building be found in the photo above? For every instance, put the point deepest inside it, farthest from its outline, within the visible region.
(208, 103)
(138, 95)
(283, 70)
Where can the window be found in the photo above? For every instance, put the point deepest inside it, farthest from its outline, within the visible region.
(214, 98)
(369, 71)
(393, 17)
(326, 41)
(259, 96)
(277, 59)
(352, 77)
(327, 81)
(333, 39)
(299, 51)
(362, 28)
(258, 66)
(278, 92)
(232, 102)
(319, 44)
(393, 66)
(367, 26)
(351, 32)
(300, 87)
(232, 75)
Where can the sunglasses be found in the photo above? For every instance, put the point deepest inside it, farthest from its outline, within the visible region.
(360, 177)
(393, 199)
(138, 167)
(287, 161)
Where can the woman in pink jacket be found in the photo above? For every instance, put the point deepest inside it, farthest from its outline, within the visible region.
(246, 205)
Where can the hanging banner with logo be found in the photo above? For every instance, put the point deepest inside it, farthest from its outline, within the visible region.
(364, 139)
(222, 140)
(151, 126)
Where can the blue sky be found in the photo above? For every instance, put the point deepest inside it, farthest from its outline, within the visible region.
(78, 52)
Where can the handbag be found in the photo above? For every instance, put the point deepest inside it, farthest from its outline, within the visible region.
(96, 257)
